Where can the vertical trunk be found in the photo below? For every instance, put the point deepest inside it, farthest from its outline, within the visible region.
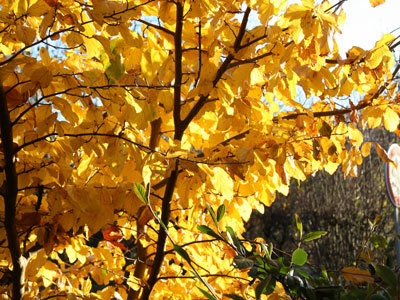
(162, 236)
(10, 190)
(179, 130)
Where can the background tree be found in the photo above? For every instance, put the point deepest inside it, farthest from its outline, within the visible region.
(341, 206)
(179, 97)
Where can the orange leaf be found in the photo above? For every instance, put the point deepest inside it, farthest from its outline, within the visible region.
(14, 97)
(375, 3)
(55, 37)
(145, 216)
(68, 19)
(356, 275)
(383, 155)
(113, 235)
(52, 3)
(29, 219)
(119, 245)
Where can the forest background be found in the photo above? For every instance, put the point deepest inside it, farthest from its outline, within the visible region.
(139, 137)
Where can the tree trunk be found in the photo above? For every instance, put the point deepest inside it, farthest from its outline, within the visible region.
(9, 192)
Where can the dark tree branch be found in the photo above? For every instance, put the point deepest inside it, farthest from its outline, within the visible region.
(91, 134)
(162, 236)
(249, 60)
(167, 31)
(169, 190)
(206, 275)
(179, 129)
(222, 69)
(199, 73)
(10, 199)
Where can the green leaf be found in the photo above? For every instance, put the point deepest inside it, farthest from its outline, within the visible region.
(207, 294)
(182, 252)
(198, 276)
(207, 230)
(242, 262)
(212, 213)
(115, 69)
(262, 286)
(160, 221)
(379, 241)
(236, 243)
(299, 226)
(266, 251)
(271, 249)
(387, 275)
(299, 257)
(313, 235)
(303, 273)
(220, 212)
(140, 191)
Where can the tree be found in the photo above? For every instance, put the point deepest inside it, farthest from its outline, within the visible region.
(150, 112)
(344, 207)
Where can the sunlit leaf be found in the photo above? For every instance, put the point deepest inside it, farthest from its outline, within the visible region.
(140, 192)
(375, 3)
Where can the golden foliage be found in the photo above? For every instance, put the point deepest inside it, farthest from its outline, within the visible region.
(200, 101)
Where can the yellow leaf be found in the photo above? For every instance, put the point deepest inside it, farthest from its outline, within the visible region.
(84, 164)
(105, 42)
(25, 34)
(44, 55)
(366, 149)
(74, 39)
(132, 58)
(222, 183)
(38, 9)
(132, 38)
(257, 77)
(390, 119)
(67, 221)
(386, 38)
(374, 58)
(375, 3)
(148, 71)
(355, 135)
(48, 273)
(146, 173)
(47, 21)
(86, 286)
(42, 75)
(69, 250)
(356, 275)
(116, 156)
(331, 167)
(279, 293)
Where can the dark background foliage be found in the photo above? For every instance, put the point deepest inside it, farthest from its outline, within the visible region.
(341, 206)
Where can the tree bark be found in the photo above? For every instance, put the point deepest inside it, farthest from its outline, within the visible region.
(9, 193)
